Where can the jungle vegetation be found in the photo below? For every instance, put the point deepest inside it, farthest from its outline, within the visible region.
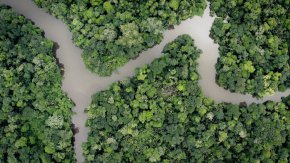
(161, 115)
(35, 115)
(254, 43)
(115, 31)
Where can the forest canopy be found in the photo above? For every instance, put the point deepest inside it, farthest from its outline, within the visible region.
(161, 115)
(113, 32)
(35, 115)
(254, 43)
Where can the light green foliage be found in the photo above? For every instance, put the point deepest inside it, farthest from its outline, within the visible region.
(247, 68)
(161, 115)
(109, 8)
(35, 115)
(152, 25)
(55, 121)
(254, 41)
(154, 154)
(107, 34)
(130, 35)
(174, 4)
(111, 32)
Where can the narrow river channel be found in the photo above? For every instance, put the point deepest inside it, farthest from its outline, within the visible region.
(81, 84)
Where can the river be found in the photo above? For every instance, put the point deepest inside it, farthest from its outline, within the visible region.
(81, 84)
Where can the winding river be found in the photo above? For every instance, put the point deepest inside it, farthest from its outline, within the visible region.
(81, 84)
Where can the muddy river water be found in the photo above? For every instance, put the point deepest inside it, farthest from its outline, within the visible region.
(81, 84)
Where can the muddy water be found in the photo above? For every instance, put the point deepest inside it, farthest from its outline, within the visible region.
(80, 84)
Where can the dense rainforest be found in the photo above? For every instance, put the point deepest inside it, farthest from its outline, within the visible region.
(254, 40)
(35, 115)
(113, 32)
(161, 115)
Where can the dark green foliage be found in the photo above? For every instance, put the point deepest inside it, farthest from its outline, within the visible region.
(254, 39)
(161, 115)
(35, 115)
(111, 32)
